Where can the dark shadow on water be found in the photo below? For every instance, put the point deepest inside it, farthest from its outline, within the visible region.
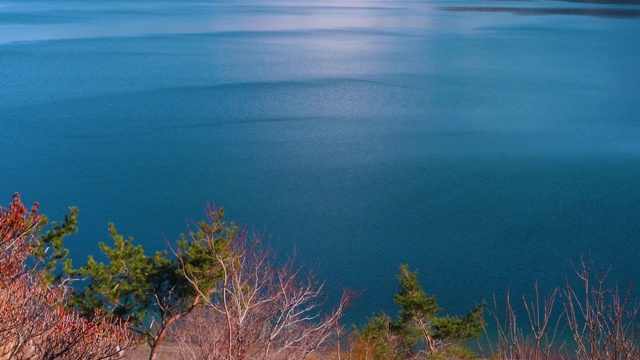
(599, 2)
(606, 2)
(608, 13)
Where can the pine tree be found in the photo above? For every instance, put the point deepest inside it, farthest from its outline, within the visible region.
(421, 326)
(150, 292)
(422, 319)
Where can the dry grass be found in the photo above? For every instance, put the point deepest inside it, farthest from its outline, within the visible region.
(167, 351)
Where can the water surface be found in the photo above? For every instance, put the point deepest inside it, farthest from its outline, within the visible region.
(485, 143)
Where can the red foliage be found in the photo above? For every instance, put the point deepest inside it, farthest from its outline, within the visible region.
(34, 323)
(16, 231)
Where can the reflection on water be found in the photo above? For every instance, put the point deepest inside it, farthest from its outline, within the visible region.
(606, 2)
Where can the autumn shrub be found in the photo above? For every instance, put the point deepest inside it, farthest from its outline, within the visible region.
(34, 320)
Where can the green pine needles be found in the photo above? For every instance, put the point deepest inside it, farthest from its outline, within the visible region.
(421, 327)
(150, 293)
(213, 267)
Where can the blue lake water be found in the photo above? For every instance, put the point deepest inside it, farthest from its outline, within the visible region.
(487, 143)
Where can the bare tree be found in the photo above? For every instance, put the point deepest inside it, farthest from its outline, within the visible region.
(257, 310)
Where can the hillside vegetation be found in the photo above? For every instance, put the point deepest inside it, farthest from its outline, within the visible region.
(219, 293)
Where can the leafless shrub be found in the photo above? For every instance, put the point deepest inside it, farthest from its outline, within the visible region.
(602, 319)
(533, 340)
